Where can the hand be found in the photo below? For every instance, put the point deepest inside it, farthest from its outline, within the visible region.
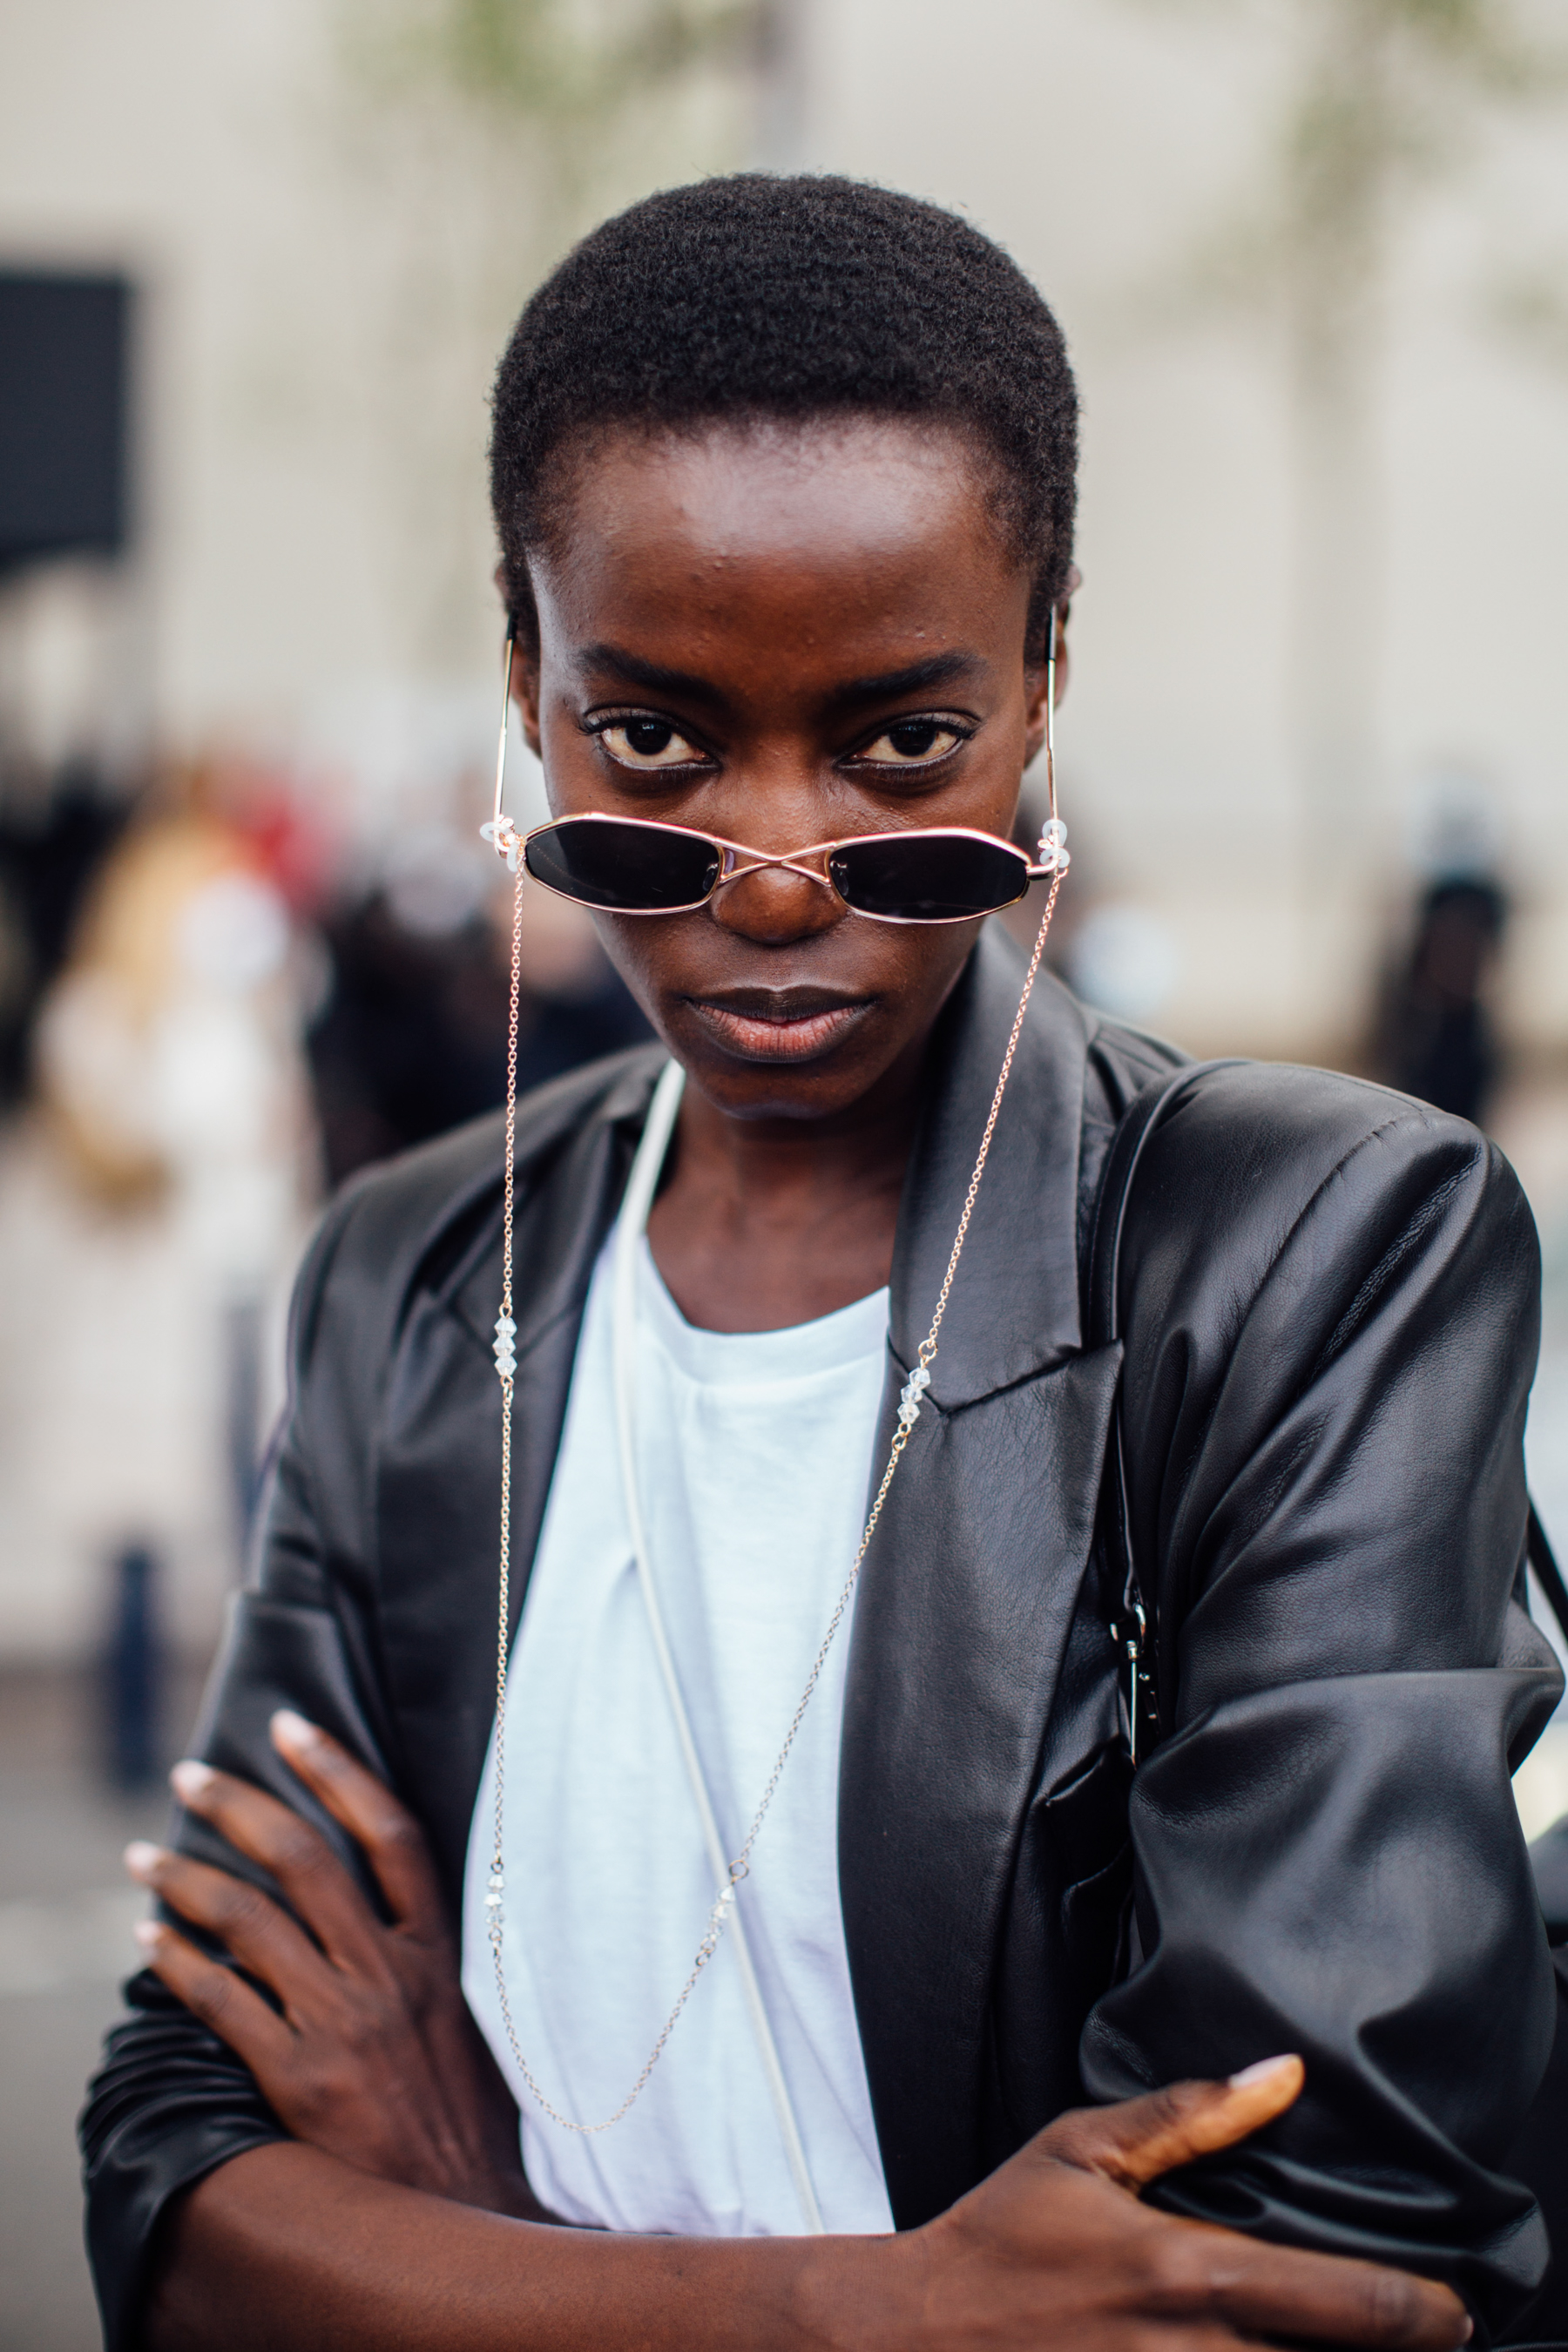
(374, 2058)
(1056, 2249)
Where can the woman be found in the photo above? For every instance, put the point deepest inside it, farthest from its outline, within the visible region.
(783, 475)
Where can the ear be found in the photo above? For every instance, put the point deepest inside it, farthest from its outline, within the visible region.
(1037, 671)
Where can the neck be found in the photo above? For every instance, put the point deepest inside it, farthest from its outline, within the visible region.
(767, 1222)
(763, 1165)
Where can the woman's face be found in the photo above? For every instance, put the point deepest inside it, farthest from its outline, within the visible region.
(784, 636)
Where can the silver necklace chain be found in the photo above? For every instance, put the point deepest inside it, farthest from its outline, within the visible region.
(910, 1400)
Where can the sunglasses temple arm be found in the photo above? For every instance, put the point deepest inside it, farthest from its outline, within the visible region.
(1050, 715)
(1052, 851)
(505, 715)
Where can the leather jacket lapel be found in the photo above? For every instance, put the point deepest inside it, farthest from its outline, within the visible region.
(435, 1489)
(1015, 1303)
(968, 1592)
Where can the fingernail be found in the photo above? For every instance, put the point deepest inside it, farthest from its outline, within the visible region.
(148, 1934)
(191, 1781)
(293, 1730)
(1261, 2070)
(1470, 2331)
(141, 1859)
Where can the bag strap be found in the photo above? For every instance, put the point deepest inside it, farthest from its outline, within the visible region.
(1133, 1629)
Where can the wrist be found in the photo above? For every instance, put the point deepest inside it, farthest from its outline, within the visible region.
(859, 2295)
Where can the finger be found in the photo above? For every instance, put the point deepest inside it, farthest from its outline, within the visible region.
(313, 1881)
(1137, 2140)
(223, 2002)
(1272, 2289)
(252, 1928)
(1325, 2298)
(393, 1841)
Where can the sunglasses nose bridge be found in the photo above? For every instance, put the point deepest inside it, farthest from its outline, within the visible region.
(759, 862)
(776, 913)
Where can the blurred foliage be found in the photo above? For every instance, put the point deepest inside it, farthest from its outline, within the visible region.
(537, 61)
(484, 137)
(1530, 307)
(1382, 96)
(1388, 91)
(1373, 103)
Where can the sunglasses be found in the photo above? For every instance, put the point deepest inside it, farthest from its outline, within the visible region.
(635, 865)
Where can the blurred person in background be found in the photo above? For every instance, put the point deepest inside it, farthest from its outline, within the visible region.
(411, 1038)
(1436, 1038)
(54, 834)
(167, 1058)
(1103, 1976)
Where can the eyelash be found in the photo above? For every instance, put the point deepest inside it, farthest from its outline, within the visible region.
(945, 725)
(601, 723)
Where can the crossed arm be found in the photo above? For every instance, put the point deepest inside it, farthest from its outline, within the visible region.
(397, 2216)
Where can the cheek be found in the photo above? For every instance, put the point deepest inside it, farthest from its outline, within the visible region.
(652, 956)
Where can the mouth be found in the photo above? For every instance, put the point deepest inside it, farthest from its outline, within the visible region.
(779, 1024)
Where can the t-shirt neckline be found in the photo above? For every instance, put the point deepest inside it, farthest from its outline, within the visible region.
(796, 1351)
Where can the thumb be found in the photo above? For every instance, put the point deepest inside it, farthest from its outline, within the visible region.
(1135, 2141)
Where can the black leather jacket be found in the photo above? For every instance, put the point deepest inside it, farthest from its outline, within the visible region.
(1329, 1309)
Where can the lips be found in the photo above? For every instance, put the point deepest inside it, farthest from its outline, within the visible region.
(778, 1025)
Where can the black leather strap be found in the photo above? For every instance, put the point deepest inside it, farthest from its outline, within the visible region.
(1138, 1123)
(1133, 1629)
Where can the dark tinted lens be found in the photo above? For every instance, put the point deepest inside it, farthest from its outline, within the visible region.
(636, 869)
(932, 877)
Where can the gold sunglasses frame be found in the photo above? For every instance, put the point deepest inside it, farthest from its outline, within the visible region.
(759, 862)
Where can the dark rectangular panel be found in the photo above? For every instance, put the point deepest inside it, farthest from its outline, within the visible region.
(64, 392)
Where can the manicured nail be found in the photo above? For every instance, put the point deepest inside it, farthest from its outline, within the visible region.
(191, 1781)
(148, 1934)
(141, 1859)
(293, 1731)
(1261, 2070)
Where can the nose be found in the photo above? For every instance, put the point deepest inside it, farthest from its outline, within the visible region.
(774, 905)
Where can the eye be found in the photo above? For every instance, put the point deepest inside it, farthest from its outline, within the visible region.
(648, 743)
(910, 742)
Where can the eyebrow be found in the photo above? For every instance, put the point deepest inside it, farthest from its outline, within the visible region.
(854, 694)
(633, 670)
(937, 669)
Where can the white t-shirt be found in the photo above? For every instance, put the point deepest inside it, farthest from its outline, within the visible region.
(754, 1454)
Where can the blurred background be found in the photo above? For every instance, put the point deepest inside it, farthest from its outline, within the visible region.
(256, 268)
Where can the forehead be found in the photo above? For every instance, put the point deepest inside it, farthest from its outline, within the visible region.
(795, 534)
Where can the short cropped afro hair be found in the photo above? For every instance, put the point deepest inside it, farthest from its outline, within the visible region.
(760, 297)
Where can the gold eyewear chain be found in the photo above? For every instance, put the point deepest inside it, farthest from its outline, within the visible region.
(1053, 859)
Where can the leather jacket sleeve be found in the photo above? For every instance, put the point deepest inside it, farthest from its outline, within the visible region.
(1323, 1419)
(171, 2102)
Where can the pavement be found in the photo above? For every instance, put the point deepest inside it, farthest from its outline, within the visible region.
(65, 1916)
